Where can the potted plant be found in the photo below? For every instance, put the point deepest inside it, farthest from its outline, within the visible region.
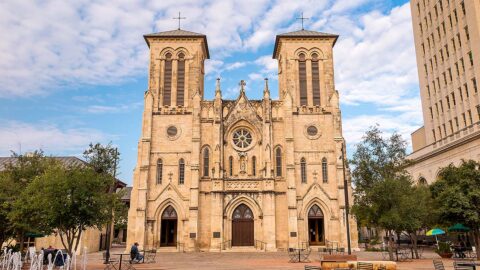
(444, 250)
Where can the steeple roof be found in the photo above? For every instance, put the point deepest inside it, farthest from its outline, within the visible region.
(178, 33)
(302, 34)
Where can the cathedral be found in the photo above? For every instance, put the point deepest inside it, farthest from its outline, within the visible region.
(223, 174)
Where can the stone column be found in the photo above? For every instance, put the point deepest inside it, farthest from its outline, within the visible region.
(269, 223)
(138, 211)
(195, 174)
(309, 82)
(217, 235)
(289, 176)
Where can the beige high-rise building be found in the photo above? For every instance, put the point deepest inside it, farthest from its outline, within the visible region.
(220, 174)
(447, 42)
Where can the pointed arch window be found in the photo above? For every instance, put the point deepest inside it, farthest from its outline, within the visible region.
(181, 171)
(303, 170)
(167, 80)
(324, 170)
(230, 166)
(254, 166)
(302, 76)
(159, 171)
(169, 213)
(181, 80)
(315, 80)
(315, 212)
(278, 162)
(206, 162)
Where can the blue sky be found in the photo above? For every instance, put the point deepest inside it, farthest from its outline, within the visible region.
(74, 72)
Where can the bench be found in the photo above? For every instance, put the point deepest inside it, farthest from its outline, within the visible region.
(377, 265)
(150, 255)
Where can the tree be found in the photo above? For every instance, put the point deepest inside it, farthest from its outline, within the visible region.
(14, 179)
(416, 210)
(102, 158)
(6, 227)
(383, 191)
(457, 196)
(68, 200)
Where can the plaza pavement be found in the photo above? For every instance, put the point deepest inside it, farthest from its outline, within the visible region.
(250, 261)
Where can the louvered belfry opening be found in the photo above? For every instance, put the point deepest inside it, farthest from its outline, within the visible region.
(167, 80)
(181, 80)
(302, 75)
(315, 80)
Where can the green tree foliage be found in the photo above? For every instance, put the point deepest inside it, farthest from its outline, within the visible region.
(384, 195)
(68, 200)
(457, 196)
(6, 227)
(15, 177)
(102, 158)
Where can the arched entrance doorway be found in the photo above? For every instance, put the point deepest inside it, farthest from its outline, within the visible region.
(168, 229)
(242, 226)
(316, 229)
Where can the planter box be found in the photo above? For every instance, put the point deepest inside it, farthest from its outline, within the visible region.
(445, 255)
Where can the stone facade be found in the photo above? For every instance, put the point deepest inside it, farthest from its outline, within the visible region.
(447, 42)
(215, 174)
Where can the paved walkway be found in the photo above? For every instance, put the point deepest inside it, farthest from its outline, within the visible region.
(250, 260)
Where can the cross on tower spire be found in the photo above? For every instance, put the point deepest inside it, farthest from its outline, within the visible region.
(242, 86)
(303, 19)
(179, 18)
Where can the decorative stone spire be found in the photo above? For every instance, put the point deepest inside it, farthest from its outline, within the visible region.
(218, 91)
(266, 91)
(242, 86)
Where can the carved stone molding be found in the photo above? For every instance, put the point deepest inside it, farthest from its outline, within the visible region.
(242, 185)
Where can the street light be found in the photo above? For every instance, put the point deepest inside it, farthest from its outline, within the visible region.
(110, 223)
(347, 204)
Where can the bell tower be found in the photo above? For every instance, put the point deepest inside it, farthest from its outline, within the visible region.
(305, 67)
(176, 67)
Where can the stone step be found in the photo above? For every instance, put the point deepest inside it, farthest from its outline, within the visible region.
(167, 249)
(242, 249)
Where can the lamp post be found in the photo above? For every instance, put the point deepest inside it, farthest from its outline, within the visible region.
(347, 204)
(110, 223)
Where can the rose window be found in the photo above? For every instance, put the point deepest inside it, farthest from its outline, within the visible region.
(242, 138)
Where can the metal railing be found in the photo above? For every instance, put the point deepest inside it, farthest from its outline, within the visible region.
(260, 245)
(224, 245)
(180, 247)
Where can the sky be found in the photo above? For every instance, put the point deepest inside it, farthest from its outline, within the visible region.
(74, 72)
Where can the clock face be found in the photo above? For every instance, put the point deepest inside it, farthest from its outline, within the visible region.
(242, 138)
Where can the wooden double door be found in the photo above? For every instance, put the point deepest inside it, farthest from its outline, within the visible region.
(316, 229)
(168, 228)
(242, 227)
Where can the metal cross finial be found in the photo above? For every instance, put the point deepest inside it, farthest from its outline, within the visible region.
(303, 19)
(179, 18)
(242, 86)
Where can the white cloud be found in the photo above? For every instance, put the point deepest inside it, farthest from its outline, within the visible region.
(354, 128)
(267, 68)
(16, 136)
(235, 65)
(213, 67)
(102, 109)
(377, 63)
